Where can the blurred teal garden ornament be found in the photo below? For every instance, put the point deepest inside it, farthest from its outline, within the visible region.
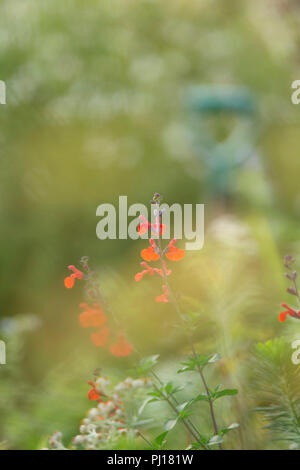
(232, 111)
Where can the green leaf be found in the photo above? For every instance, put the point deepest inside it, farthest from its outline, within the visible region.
(150, 361)
(198, 445)
(215, 358)
(160, 440)
(201, 397)
(200, 361)
(142, 422)
(182, 406)
(170, 424)
(155, 393)
(168, 388)
(229, 428)
(184, 414)
(146, 364)
(223, 393)
(215, 440)
(144, 404)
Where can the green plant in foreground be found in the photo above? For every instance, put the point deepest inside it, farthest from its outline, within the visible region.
(182, 411)
(277, 384)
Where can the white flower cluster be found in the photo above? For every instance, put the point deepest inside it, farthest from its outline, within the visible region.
(55, 441)
(101, 384)
(132, 384)
(107, 422)
(104, 424)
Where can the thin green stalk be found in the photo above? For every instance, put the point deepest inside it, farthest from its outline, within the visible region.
(178, 310)
(189, 422)
(186, 424)
(144, 438)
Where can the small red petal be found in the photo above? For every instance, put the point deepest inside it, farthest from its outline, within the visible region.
(100, 338)
(78, 274)
(138, 277)
(282, 316)
(93, 395)
(69, 282)
(175, 254)
(143, 228)
(148, 254)
(161, 298)
(162, 228)
(121, 348)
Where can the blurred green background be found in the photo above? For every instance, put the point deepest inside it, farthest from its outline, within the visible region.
(97, 108)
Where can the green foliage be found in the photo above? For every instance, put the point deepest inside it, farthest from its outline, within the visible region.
(146, 365)
(160, 440)
(213, 440)
(215, 394)
(164, 392)
(200, 361)
(183, 410)
(277, 383)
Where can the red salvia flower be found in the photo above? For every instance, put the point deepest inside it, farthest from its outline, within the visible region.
(141, 274)
(154, 229)
(173, 253)
(92, 316)
(150, 253)
(121, 347)
(151, 271)
(92, 393)
(163, 297)
(145, 226)
(165, 270)
(100, 338)
(289, 311)
(69, 280)
(154, 252)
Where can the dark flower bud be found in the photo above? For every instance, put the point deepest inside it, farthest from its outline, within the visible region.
(294, 275)
(288, 260)
(291, 290)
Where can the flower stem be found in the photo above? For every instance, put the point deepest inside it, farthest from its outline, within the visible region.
(189, 422)
(185, 422)
(145, 439)
(179, 312)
